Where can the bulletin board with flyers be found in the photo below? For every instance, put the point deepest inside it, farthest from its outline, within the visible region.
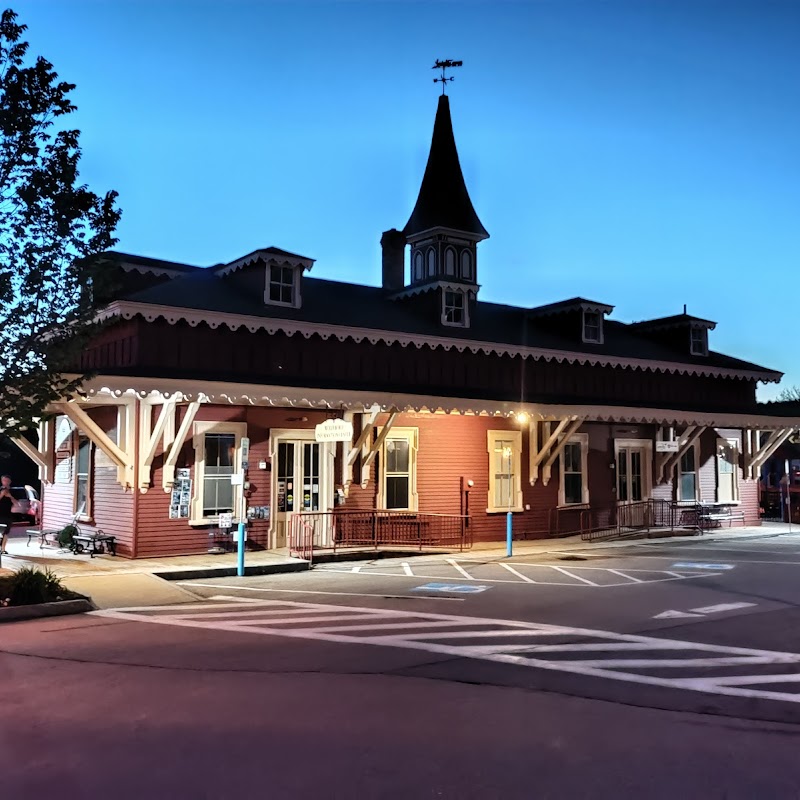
(181, 498)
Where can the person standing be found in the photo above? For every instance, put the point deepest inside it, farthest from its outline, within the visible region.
(6, 502)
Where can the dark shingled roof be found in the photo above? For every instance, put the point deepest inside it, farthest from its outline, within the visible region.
(674, 321)
(443, 199)
(328, 302)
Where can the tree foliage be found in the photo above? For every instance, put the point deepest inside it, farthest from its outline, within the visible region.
(791, 394)
(52, 227)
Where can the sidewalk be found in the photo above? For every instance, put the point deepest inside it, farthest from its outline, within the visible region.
(114, 582)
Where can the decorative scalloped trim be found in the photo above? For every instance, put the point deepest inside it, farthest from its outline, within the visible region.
(151, 313)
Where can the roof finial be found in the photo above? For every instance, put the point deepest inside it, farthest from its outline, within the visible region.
(443, 65)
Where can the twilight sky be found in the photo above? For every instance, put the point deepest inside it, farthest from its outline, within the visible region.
(641, 153)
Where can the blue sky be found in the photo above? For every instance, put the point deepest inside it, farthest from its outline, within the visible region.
(642, 153)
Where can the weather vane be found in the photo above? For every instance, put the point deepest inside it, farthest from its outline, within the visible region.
(443, 65)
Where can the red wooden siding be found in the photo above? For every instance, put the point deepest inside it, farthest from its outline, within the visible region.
(451, 448)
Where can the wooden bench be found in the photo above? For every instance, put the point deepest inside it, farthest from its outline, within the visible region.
(709, 517)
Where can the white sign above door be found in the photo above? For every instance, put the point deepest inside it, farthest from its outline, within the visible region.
(668, 447)
(334, 430)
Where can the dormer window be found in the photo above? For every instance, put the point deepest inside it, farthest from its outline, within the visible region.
(592, 327)
(454, 309)
(282, 290)
(698, 341)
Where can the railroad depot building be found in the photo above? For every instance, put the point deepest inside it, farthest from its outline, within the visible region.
(209, 384)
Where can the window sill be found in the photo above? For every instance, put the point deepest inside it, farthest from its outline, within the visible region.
(513, 510)
(84, 519)
(581, 506)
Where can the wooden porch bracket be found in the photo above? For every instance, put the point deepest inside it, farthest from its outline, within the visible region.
(537, 457)
(686, 439)
(32, 452)
(376, 446)
(559, 448)
(361, 447)
(768, 448)
(149, 441)
(168, 472)
(122, 460)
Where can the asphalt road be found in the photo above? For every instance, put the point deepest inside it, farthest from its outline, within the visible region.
(426, 677)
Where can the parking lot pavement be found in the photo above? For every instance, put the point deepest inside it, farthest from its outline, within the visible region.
(516, 571)
(643, 660)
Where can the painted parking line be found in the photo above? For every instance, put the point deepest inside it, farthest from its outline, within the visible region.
(524, 572)
(694, 666)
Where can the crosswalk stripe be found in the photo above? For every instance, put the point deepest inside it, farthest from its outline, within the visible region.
(526, 644)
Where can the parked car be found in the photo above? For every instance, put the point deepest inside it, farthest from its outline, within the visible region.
(26, 505)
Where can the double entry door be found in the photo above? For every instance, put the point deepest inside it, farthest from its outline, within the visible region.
(302, 481)
(634, 470)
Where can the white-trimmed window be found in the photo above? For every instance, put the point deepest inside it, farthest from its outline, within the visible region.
(217, 456)
(573, 488)
(698, 341)
(454, 308)
(84, 473)
(398, 484)
(688, 489)
(283, 286)
(592, 327)
(505, 479)
(727, 471)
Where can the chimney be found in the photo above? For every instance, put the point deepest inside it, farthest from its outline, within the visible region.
(393, 244)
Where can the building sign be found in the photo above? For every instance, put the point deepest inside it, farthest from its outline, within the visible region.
(668, 447)
(334, 430)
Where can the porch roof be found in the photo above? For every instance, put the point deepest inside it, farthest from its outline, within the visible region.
(158, 389)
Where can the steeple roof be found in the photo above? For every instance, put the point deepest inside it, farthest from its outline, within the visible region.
(443, 199)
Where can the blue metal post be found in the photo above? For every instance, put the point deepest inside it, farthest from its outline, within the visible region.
(240, 540)
(509, 535)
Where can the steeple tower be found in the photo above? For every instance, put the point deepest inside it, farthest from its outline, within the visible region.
(444, 229)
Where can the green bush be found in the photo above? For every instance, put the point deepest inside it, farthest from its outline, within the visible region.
(30, 585)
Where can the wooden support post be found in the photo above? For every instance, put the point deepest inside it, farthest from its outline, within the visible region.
(533, 444)
(347, 465)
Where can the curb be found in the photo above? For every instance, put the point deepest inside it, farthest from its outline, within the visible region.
(39, 610)
(227, 572)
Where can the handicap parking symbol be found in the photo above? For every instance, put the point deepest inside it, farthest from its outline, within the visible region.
(457, 588)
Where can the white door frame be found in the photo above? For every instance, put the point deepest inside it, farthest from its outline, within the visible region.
(647, 466)
(327, 454)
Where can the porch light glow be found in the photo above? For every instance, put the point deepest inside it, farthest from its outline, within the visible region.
(521, 417)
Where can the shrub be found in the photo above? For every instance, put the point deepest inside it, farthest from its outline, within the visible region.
(30, 585)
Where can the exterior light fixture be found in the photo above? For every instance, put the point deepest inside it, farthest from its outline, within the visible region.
(521, 417)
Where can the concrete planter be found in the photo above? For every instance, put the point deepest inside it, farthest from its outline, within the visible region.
(62, 607)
